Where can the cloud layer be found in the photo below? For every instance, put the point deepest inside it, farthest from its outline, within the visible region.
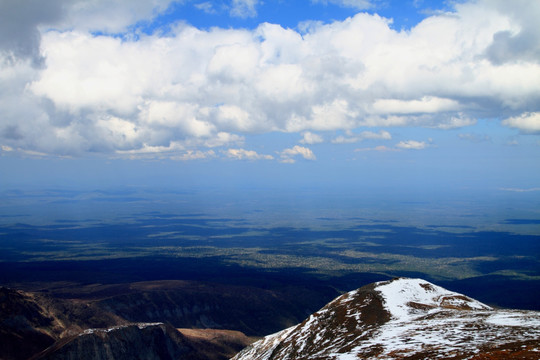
(67, 90)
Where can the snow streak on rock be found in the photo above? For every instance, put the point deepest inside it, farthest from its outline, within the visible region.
(106, 330)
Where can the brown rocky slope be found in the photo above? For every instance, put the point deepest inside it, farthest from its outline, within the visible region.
(404, 319)
(146, 341)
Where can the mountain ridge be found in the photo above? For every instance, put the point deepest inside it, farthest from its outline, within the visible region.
(146, 341)
(32, 321)
(404, 319)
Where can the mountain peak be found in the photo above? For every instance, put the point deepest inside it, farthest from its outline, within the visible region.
(403, 318)
(407, 298)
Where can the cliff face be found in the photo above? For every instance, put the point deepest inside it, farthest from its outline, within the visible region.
(254, 311)
(147, 341)
(32, 322)
(25, 326)
(404, 319)
(211, 344)
(138, 341)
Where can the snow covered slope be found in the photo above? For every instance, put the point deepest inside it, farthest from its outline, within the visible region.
(407, 298)
(404, 319)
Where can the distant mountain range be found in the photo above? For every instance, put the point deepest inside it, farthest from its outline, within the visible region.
(404, 319)
(398, 319)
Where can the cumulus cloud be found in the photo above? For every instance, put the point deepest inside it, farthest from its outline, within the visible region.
(195, 89)
(517, 43)
(22, 22)
(427, 104)
(526, 122)
(19, 21)
(311, 138)
(288, 155)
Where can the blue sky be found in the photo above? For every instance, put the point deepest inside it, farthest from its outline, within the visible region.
(328, 93)
(289, 14)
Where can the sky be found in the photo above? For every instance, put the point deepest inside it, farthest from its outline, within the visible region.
(325, 93)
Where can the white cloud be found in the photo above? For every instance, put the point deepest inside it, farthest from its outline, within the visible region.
(111, 16)
(528, 122)
(364, 135)
(146, 151)
(242, 154)
(235, 118)
(183, 150)
(311, 138)
(427, 104)
(206, 6)
(204, 89)
(381, 135)
(194, 155)
(288, 155)
(345, 140)
(222, 139)
(234, 62)
(86, 72)
(455, 122)
(412, 144)
(244, 8)
(326, 116)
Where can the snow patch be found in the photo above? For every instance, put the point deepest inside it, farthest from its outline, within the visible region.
(406, 299)
(514, 318)
(106, 330)
(263, 348)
